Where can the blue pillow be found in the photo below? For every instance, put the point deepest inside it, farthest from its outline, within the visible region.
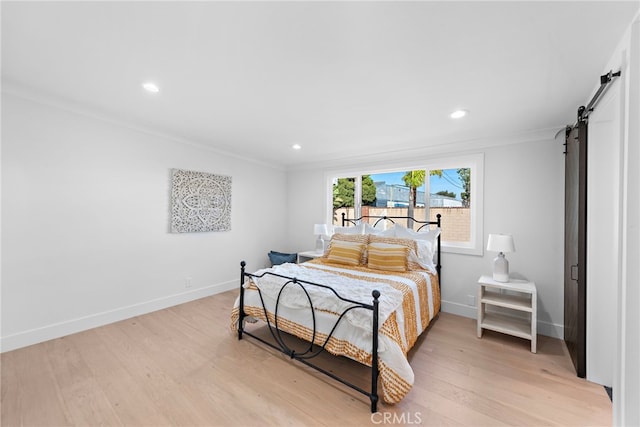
(278, 258)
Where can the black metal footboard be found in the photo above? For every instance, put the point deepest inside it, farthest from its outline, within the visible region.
(309, 353)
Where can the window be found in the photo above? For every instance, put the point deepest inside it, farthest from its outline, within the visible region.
(451, 187)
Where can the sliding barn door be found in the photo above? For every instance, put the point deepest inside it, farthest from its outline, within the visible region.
(575, 296)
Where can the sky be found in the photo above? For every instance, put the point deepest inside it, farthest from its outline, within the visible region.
(450, 181)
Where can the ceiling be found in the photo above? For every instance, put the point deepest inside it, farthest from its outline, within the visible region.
(342, 79)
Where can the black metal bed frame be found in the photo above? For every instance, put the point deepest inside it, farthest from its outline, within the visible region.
(309, 353)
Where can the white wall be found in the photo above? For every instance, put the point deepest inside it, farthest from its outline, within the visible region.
(626, 379)
(85, 214)
(603, 209)
(524, 195)
(613, 297)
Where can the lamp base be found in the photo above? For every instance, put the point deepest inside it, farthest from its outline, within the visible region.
(319, 245)
(500, 268)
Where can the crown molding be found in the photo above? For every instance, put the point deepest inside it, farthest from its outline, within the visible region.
(28, 93)
(432, 147)
(422, 148)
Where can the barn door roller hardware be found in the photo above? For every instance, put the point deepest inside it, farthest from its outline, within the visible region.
(605, 80)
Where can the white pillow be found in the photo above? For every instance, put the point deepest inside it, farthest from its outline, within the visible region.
(389, 232)
(369, 229)
(426, 241)
(356, 229)
(362, 228)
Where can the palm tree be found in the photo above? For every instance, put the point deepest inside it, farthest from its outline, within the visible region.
(465, 177)
(414, 180)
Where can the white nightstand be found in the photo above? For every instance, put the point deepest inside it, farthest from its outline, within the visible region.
(522, 297)
(308, 255)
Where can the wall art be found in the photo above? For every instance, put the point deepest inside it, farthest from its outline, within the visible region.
(200, 202)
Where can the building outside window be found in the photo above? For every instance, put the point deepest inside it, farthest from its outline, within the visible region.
(451, 187)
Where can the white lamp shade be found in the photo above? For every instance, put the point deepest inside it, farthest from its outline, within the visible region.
(501, 243)
(320, 229)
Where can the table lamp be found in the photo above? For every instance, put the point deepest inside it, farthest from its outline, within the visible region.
(500, 243)
(320, 230)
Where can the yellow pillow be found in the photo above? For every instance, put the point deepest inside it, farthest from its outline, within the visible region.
(343, 252)
(387, 257)
(409, 243)
(358, 238)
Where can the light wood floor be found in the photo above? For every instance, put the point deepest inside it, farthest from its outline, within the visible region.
(182, 366)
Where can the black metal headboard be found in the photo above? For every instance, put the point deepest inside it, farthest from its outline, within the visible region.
(354, 221)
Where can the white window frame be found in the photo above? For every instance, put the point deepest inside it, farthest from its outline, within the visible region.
(475, 245)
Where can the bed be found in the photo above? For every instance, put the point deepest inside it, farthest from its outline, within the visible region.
(368, 298)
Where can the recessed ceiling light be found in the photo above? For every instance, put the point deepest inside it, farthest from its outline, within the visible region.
(296, 147)
(458, 114)
(151, 87)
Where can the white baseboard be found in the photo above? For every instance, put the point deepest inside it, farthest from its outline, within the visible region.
(459, 309)
(57, 330)
(544, 328)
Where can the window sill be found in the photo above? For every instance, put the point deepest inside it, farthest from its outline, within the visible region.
(447, 247)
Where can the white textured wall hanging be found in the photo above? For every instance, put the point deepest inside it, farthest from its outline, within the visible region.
(200, 202)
